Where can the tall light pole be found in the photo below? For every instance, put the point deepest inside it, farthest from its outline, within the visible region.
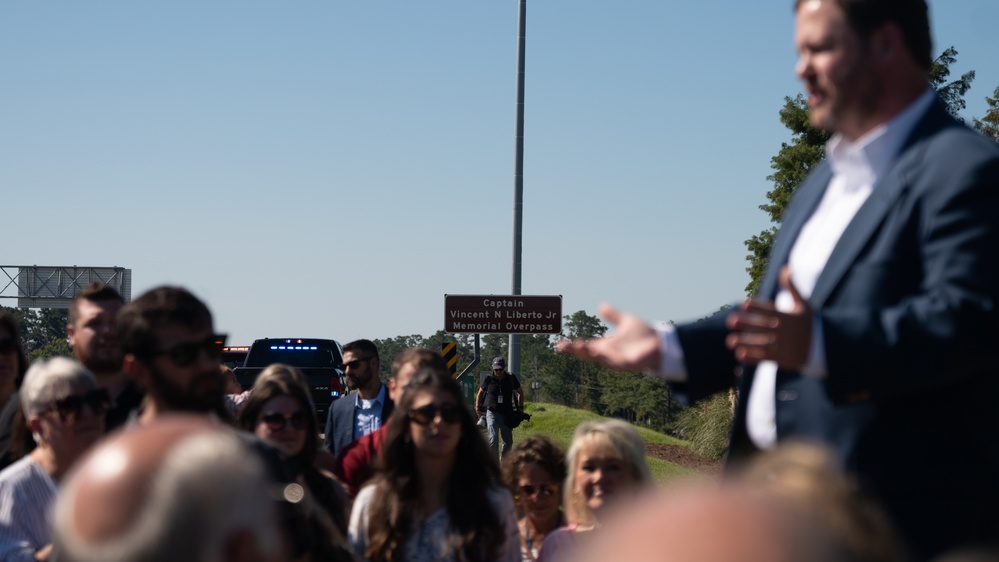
(518, 178)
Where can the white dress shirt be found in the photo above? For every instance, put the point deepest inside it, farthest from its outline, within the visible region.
(856, 166)
(368, 413)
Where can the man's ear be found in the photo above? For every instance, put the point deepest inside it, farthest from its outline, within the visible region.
(71, 335)
(135, 369)
(887, 43)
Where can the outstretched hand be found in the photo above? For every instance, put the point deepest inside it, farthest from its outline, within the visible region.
(633, 346)
(759, 332)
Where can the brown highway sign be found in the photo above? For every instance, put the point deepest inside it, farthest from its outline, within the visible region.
(503, 314)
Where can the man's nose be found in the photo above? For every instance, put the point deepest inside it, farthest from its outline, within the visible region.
(803, 68)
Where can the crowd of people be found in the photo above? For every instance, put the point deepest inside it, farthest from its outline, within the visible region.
(181, 477)
(865, 430)
(201, 469)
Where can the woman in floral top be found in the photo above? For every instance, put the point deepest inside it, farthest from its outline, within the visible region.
(437, 496)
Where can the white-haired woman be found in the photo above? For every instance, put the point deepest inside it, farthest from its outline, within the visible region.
(64, 409)
(606, 464)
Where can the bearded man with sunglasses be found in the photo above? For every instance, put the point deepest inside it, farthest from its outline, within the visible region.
(169, 347)
(362, 413)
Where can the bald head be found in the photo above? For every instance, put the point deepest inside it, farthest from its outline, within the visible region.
(700, 523)
(182, 476)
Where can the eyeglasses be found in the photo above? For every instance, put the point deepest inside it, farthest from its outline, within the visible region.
(425, 415)
(353, 364)
(8, 345)
(70, 408)
(277, 422)
(546, 490)
(183, 354)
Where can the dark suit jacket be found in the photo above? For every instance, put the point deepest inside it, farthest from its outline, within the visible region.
(908, 305)
(340, 422)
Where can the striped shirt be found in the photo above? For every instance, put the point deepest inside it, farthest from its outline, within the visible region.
(27, 494)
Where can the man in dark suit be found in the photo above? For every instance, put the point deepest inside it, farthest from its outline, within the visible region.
(363, 412)
(876, 325)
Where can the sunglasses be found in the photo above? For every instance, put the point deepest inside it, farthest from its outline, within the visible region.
(546, 490)
(184, 354)
(70, 408)
(425, 415)
(8, 345)
(353, 364)
(277, 422)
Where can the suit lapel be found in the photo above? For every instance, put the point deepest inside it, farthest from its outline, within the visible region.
(860, 230)
(872, 213)
(802, 206)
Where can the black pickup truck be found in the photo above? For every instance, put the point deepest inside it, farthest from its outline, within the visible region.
(318, 359)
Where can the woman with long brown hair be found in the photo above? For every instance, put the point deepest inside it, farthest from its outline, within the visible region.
(13, 365)
(438, 495)
(280, 411)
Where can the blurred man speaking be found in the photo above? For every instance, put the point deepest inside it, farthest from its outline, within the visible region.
(876, 323)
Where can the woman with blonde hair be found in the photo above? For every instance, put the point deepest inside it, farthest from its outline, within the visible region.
(606, 464)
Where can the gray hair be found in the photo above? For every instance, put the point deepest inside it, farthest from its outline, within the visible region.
(208, 487)
(53, 379)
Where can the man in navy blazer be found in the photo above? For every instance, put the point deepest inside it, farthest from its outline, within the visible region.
(355, 415)
(876, 328)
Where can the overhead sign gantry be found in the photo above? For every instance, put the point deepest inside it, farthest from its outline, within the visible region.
(38, 286)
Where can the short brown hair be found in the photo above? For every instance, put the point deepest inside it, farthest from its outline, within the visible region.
(95, 291)
(156, 308)
(536, 449)
(419, 357)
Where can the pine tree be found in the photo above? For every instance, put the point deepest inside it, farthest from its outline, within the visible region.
(989, 125)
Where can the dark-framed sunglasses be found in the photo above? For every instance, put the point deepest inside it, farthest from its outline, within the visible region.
(8, 345)
(184, 354)
(353, 364)
(425, 415)
(70, 408)
(546, 490)
(276, 421)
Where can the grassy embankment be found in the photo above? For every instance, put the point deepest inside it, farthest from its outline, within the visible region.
(558, 422)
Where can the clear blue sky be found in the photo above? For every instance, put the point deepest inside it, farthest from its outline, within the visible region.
(333, 168)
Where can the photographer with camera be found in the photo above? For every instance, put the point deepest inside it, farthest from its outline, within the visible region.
(496, 401)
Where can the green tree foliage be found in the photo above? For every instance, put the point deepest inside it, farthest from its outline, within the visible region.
(536, 351)
(43, 331)
(581, 325)
(54, 348)
(989, 125)
(796, 159)
(637, 398)
(951, 93)
(494, 345)
(553, 377)
(791, 165)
